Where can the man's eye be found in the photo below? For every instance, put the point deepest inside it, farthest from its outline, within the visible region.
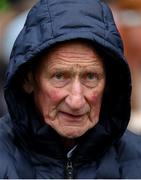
(58, 76)
(90, 76)
(60, 79)
(90, 79)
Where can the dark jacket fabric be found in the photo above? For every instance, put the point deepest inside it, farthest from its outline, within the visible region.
(29, 148)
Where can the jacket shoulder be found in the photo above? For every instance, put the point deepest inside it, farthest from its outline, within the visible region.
(13, 164)
(129, 150)
(130, 143)
(7, 149)
(6, 134)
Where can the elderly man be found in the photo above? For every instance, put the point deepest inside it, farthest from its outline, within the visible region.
(68, 94)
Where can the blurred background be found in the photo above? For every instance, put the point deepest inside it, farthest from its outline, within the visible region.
(127, 15)
(12, 17)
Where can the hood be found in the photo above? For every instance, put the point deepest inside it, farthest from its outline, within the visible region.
(50, 22)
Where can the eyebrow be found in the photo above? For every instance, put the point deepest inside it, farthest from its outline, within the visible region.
(73, 69)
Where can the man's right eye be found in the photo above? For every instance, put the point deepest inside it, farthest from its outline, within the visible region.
(60, 79)
(59, 76)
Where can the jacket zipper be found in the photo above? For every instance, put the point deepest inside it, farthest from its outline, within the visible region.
(69, 164)
(69, 169)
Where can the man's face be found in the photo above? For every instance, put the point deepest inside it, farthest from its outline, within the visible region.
(68, 88)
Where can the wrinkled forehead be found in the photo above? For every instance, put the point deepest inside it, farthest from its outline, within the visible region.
(74, 52)
(73, 46)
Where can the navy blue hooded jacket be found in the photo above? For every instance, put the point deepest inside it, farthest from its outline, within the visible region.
(31, 149)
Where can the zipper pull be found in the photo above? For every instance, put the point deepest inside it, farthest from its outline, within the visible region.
(69, 170)
(69, 165)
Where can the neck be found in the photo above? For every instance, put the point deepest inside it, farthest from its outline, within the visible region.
(69, 143)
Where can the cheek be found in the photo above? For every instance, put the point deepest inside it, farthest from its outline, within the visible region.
(48, 99)
(54, 95)
(95, 101)
(95, 98)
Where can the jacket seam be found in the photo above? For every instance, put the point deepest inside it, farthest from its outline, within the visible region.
(104, 38)
(47, 5)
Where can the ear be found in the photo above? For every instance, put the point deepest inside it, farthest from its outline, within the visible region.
(28, 84)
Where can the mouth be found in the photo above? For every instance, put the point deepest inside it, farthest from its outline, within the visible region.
(72, 116)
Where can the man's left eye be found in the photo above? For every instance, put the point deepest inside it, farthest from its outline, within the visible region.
(90, 79)
(91, 76)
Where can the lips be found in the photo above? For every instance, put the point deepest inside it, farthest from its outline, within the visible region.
(72, 116)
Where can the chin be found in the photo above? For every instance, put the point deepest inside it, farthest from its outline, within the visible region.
(72, 133)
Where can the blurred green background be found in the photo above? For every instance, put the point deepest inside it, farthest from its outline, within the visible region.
(4, 5)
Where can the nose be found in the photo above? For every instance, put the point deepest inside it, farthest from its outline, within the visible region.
(76, 99)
